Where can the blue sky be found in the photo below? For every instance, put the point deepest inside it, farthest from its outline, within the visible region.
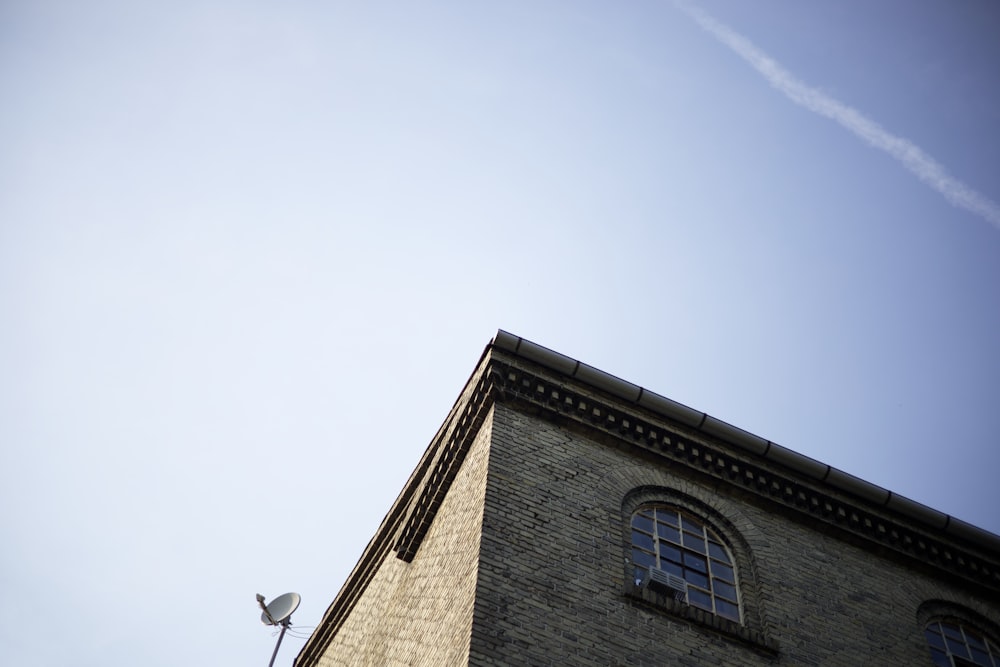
(250, 252)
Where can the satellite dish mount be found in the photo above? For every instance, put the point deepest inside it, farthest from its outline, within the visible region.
(279, 612)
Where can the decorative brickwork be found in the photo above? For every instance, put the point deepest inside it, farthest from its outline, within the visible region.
(446, 466)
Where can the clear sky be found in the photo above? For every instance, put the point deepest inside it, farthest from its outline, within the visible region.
(250, 252)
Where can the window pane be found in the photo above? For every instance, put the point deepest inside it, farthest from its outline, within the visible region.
(642, 540)
(642, 523)
(691, 525)
(981, 658)
(696, 578)
(724, 590)
(694, 542)
(673, 568)
(668, 552)
(952, 631)
(695, 562)
(730, 611)
(718, 551)
(934, 639)
(974, 640)
(956, 647)
(940, 659)
(667, 533)
(699, 599)
(643, 558)
(667, 516)
(723, 572)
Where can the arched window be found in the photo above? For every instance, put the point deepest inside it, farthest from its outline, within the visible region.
(679, 552)
(956, 645)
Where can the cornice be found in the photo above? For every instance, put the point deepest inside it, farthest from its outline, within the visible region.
(448, 460)
(805, 499)
(809, 500)
(706, 425)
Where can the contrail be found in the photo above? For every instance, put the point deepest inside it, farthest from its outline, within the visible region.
(922, 165)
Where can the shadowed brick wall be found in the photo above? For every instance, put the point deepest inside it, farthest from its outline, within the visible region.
(553, 576)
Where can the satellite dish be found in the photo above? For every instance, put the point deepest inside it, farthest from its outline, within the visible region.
(280, 609)
(279, 612)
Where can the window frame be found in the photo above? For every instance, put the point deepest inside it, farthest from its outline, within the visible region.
(948, 638)
(685, 545)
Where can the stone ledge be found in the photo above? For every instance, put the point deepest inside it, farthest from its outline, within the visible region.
(753, 638)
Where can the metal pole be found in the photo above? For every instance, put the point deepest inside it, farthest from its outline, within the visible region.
(284, 626)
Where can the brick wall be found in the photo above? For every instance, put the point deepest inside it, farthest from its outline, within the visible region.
(525, 563)
(552, 572)
(420, 613)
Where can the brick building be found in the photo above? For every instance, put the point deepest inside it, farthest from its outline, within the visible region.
(562, 516)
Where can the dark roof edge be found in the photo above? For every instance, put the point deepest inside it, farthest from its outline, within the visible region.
(705, 423)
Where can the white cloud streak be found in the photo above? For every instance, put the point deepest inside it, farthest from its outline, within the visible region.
(919, 163)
